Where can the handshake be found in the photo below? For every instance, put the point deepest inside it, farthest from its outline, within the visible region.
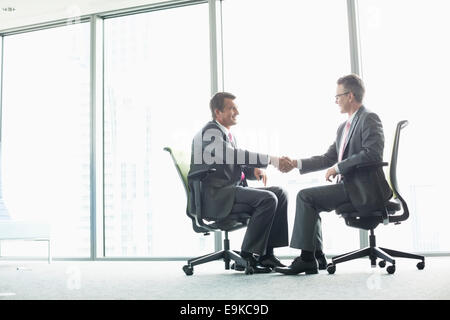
(284, 164)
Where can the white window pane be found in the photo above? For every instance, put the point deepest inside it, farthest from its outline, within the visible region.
(45, 135)
(157, 91)
(405, 68)
(282, 60)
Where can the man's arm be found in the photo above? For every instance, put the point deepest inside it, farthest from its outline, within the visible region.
(211, 147)
(317, 163)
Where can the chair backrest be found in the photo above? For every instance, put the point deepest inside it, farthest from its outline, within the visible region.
(181, 161)
(371, 222)
(393, 173)
(236, 221)
(393, 167)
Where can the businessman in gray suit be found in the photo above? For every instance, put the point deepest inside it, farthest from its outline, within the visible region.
(359, 140)
(225, 190)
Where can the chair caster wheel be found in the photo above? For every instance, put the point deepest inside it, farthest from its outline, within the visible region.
(331, 268)
(391, 269)
(249, 270)
(188, 270)
(382, 263)
(421, 265)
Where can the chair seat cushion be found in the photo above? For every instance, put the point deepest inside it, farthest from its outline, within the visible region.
(348, 210)
(238, 218)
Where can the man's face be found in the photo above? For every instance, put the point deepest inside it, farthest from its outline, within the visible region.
(343, 98)
(227, 118)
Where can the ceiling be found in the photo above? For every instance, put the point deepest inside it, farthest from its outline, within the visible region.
(28, 12)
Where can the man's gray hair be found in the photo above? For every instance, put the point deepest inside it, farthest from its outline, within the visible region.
(354, 84)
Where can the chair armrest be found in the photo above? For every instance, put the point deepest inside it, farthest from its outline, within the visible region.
(196, 214)
(371, 165)
(201, 174)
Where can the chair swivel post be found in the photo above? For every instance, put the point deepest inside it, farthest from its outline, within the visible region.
(373, 254)
(226, 242)
(226, 247)
(372, 240)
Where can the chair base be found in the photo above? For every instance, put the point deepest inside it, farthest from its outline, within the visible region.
(374, 253)
(226, 255)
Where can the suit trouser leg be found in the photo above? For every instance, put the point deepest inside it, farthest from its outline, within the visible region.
(307, 232)
(258, 231)
(279, 236)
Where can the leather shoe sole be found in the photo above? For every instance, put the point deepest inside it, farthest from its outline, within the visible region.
(291, 271)
(300, 266)
(256, 269)
(271, 263)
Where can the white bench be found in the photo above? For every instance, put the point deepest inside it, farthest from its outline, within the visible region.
(25, 230)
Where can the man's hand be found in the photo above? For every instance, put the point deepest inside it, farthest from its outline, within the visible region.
(286, 164)
(330, 173)
(260, 174)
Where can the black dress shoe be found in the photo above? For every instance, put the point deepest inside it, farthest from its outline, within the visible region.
(322, 262)
(299, 266)
(254, 264)
(270, 261)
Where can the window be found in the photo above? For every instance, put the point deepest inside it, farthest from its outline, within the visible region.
(157, 90)
(282, 61)
(45, 136)
(405, 68)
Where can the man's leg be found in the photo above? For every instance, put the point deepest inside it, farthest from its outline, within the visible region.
(279, 236)
(264, 203)
(279, 232)
(307, 233)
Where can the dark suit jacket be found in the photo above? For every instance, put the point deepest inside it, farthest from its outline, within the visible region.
(211, 148)
(365, 143)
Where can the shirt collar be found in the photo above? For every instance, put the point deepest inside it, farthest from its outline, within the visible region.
(350, 119)
(222, 127)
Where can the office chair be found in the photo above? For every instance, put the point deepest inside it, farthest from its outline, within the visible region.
(369, 222)
(236, 220)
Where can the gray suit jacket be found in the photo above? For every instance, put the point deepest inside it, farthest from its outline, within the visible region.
(365, 143)
(211, 148)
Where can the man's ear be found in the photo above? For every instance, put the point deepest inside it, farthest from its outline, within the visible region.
(217, 113)
(351, 97)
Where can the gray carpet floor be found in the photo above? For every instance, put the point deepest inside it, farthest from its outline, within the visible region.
(155, 280)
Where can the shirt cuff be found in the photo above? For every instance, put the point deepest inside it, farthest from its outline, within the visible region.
(337, 168)
(299, 164)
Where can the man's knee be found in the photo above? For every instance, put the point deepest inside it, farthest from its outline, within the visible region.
(271, 200)
(305, 196)
(280, 193)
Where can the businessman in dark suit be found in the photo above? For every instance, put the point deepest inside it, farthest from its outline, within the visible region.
(359, 140)
(226, 190)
